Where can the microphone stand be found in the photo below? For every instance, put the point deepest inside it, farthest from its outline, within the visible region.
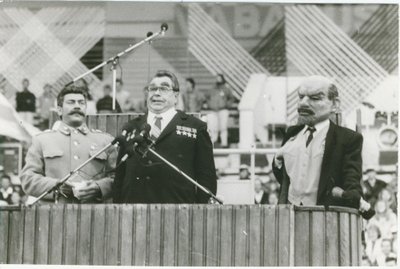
(213, 198)
(114, 60)
(56, 187)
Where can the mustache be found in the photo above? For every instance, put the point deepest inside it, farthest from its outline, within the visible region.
(305, 109)
(77, 112)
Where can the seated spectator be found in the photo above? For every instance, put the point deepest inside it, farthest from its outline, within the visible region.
(260, 197)
(384, 218)
(244, 172)
(386, 251)
(373, 243)
(373, 186)
(123, 96)
(15, 199)
(387, 196)
(104, 104)
(6, 189)
(25, 102)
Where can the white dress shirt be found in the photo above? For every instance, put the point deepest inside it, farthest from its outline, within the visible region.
(166, 118)
(303, 164)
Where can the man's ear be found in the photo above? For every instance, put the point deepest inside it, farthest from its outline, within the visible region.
(59, 111)
(336, 106)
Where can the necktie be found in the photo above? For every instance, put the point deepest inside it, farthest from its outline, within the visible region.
(156, 131)
(310, 136)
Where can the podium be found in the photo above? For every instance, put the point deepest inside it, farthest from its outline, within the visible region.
(180, 235)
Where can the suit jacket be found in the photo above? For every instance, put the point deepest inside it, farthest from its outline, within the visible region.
(185, 143)
(341, 166)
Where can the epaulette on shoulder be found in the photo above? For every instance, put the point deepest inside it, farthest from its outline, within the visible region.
(47, 131)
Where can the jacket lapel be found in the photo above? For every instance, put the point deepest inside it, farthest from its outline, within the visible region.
(327, 160)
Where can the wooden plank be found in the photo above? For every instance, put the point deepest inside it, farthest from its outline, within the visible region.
(127, 239)
(4, 232)
(169, 246)
(198, 236)
(284, 235)
(111, 234)
(302, 238)
(255, 246)
(56, 233)
(92, 121)
(16, 236)
(84, 233)
(317, 241)
(98, 232)
(344, 239)
(112, 125)
(241, 236)
(70, 228)
(212, 236)
(155, 235)
(141, 235)
(42, 234)
(354, 231)
(102, 122)
(183, 234)
(332, 239)
(269, 236)
(29, 235)
(227, 236)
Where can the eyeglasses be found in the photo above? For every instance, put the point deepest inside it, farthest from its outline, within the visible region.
(162, 89)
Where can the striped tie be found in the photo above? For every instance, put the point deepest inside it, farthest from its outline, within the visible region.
(156, 131)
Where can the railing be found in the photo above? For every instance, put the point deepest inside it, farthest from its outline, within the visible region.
(180, 235)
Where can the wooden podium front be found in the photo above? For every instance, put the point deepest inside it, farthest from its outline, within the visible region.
(180, 235)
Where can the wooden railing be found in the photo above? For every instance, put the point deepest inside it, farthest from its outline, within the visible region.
(180, 235)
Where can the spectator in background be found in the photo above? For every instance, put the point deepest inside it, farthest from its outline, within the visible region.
(373, 186)
(386, 252)
(219, 101)
(388, 197)
(244, 172)
(6, 189)
(15, 199)
(384, 218)
(192, 99)
(273, 198)
(123, 96)
(26, 102)
(46, 101)
(373, 243)
(260, 197)
(104, 104)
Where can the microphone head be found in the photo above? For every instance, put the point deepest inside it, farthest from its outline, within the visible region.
(164, 27)
(146, 128)
(149, 34)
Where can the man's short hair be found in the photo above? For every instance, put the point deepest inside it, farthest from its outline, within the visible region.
(333, 92)
(166, 73)
(191, 81)
(68, 90)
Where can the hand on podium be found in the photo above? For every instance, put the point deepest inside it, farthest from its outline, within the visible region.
(365, 208)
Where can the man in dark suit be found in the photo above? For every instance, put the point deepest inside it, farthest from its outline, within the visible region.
(181, 139)
(320, 162)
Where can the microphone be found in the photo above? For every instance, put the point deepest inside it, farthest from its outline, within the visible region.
(120, 138)
(149, 34)
(136, 141)
(164, 28)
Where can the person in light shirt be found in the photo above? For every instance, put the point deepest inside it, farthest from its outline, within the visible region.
(180, 138)
(319, 162)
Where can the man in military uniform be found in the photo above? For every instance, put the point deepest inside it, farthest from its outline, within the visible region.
(54, 153)
(180, 138)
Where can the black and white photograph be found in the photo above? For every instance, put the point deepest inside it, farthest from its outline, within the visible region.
(194, 133)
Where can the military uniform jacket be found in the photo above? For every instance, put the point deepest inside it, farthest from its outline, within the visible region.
(54, 153)
(341, 166)
(185, 143)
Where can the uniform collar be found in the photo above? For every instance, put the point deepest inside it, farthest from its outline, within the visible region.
(66, 129)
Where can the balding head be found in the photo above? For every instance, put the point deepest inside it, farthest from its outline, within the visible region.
(318, 98)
